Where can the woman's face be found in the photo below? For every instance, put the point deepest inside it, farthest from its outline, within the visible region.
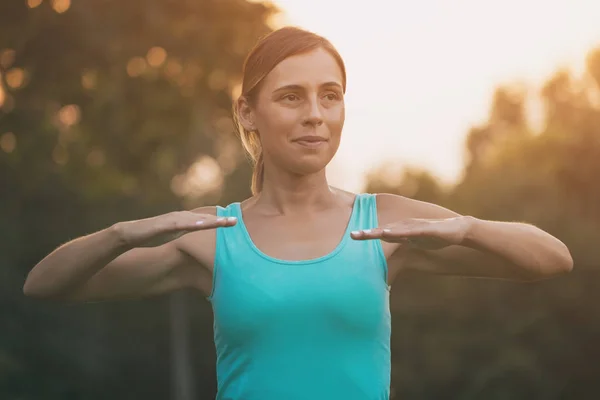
(299, 112)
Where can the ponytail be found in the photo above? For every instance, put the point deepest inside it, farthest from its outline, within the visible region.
(258, 175)
(252, 146)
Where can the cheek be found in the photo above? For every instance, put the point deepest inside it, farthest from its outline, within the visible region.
(276, 126)
(275, 118)
(335, 120)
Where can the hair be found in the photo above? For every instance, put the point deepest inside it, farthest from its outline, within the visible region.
(268, 52)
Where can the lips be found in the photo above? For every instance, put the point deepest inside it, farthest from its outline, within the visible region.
(310, 139)
(312, 142)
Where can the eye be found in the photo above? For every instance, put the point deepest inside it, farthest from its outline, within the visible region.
(332, 96)
(291, 97)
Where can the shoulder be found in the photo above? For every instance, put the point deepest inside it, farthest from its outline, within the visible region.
(205, 236)
(210, 210)
(346, 198)
(393, 207)
(191, 238)
(200, 245)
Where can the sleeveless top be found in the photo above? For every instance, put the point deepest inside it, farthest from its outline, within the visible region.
(316, 329)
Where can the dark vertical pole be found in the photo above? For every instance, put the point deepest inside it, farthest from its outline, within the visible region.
(181, 369)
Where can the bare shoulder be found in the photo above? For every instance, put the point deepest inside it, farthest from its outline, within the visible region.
(210, 210)
(347, 198)
(201, 247)
(392, 207)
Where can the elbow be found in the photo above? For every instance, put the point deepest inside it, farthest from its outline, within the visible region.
(557, 265)
(565, 263)
(30, 289)
(562, 260)
(40, 294)
(33, 290)
(34, 284)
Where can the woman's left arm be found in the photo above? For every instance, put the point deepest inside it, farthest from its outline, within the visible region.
(434, 239)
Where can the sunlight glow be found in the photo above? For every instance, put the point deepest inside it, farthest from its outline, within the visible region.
(8, 142)
(136, 66)
(203, 177)
(69, 115)
(156, 56)
(34, 3)
(61, 6)
(420, 74)
(15, 78)
(89, 79)
(173, 69)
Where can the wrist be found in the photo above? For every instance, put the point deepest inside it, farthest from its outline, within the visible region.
(470, 226)
(119, 235)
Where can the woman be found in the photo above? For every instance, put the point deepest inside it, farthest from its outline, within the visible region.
(297, 274)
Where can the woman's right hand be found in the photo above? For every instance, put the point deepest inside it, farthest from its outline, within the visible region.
(158, 230)
(112, 263)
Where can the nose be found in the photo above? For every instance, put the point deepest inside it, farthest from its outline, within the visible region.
(313, 116)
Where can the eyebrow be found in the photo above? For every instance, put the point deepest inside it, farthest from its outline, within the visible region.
(298, 87)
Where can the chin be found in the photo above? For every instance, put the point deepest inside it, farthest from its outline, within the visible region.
(309, 166)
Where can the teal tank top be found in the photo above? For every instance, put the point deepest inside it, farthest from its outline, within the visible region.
(316, 329)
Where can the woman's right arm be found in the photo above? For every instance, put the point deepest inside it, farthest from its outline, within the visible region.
(110, 264)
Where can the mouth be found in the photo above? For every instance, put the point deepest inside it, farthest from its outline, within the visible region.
(310, 141)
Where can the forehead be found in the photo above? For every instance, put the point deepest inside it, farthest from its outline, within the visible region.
(307, 69)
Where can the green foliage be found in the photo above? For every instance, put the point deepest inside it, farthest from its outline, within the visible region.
(470, 339)
(108, 108)
(119, 97)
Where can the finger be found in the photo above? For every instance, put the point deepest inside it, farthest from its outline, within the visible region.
(212, 223)
(202, 223)
(369, 234)
(406, 234)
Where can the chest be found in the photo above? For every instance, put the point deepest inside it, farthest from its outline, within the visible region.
(300, 237)
(345, 292)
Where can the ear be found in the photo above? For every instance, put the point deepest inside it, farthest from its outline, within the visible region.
(245, 114)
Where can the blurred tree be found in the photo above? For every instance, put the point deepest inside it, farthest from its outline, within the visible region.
(110, 110)
(492, 339)
(120, 98)
(405, 181)
(117, 110)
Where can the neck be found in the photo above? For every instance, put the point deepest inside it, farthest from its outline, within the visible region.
(284, 192)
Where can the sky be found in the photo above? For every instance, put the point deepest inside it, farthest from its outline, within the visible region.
(421, 73)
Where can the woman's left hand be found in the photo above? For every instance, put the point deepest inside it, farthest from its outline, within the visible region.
(427, 234)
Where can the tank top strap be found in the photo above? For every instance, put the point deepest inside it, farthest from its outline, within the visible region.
(364, 216)
(229, 241)
(229, 211)
(231, 238)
